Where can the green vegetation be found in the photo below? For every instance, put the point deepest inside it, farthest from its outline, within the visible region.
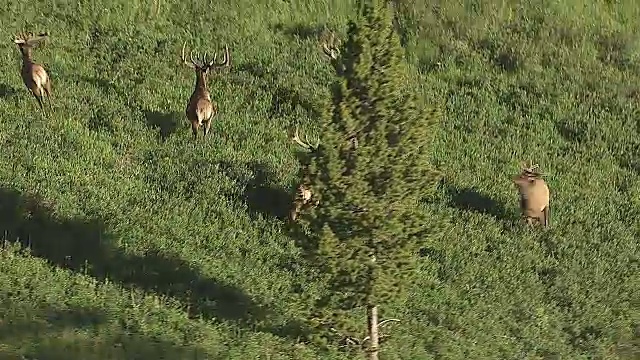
(370, 173)
(146, 245)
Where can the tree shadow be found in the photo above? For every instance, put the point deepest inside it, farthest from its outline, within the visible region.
(166, 123)
(261, 196)
(285, 101)
(572, 131)
(84, 246)
(471, 200)
(254, 69)
(55, 319)
(170, 275)
(301, 30)
(7, 91)
(51, 333)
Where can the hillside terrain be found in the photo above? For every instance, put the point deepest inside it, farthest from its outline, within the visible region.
(125, 239)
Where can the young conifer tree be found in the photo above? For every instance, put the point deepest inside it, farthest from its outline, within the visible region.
(369, 174)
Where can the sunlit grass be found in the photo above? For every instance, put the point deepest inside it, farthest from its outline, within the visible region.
(146, 245)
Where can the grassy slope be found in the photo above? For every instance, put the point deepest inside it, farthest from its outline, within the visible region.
(177, 251)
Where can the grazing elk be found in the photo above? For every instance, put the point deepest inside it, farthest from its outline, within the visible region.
(200, 109)
(303, 195)
(534, 195)
(34, 76)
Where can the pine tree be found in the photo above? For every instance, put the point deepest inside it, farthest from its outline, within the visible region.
(369, 174)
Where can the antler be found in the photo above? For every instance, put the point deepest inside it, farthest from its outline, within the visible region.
(192, 64)
(531, 170)
(330, 46)
(307, 145)
(225, 60)
(28, 38)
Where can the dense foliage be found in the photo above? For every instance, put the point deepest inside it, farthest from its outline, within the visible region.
(370, 173)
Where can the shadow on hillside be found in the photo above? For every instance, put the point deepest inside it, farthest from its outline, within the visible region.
(572, 131)
(53, 334)
(472, 200)
(285, 101)
(259, 194)
(632, 163)
(84, 246)
(254, 69)
(54, 320)
(300, 30)
(7, 91)
(505, 59)
(166, 123)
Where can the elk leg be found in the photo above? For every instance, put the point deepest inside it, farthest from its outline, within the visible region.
(38, 98)
(47, 90)
(194, 129)
(294, 211)
(545, 216)
(206, 125)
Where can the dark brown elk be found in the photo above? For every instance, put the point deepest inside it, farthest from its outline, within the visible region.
(34, 75)
(534, 195)
(200, 108)
(303, 196)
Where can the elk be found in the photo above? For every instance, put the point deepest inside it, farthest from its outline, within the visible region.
(200, 109)
(534, 195)
(303, 195)
(330, 46)
(34, 75)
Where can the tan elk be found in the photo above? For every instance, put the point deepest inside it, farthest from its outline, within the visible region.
(330, 45)
(200, 109)
(34, 75)
(534, 195)
(303, 195)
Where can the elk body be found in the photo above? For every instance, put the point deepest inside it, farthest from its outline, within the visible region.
(303, 196)
(200, 109)
(330, 46)
(34, 75)
(534, 196)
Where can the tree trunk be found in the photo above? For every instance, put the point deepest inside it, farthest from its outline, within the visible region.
(372, 318)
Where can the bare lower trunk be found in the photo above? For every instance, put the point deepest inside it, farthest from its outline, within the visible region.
(372, 318)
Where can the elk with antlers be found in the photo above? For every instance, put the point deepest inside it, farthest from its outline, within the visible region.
(330, 46)
(534, 195)
(34, 75)
(200, 109)
(303, 196)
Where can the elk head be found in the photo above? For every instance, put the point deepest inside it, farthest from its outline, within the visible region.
(306, 145)
(27, 40)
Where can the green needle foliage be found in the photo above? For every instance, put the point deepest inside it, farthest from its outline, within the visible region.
(370, 173)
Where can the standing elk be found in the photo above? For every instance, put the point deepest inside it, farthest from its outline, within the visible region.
(534, 195)
(34, 75)
(303, 196)
(200, 109)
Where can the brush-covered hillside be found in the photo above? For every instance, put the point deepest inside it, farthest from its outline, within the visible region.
(125, 239)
